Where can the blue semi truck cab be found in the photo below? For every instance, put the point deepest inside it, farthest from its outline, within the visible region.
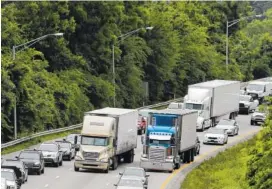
(162, 147)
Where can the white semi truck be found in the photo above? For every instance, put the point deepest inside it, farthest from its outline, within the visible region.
(213, 100)
(170, 137)
(259, 89)
(107, 135)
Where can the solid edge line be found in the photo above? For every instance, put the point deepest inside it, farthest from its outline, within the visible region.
(169, 178)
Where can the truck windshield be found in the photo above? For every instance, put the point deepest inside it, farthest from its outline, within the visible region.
(255, 87)
(168, 121)
(192, 106)
(94, 141)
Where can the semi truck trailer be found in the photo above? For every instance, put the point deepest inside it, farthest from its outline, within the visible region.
(170, 137)
(213, 100)
(107, 136)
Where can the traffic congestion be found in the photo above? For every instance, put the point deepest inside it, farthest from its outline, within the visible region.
(169, 137)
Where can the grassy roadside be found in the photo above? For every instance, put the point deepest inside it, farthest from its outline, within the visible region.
(227, 170)
(37, 140)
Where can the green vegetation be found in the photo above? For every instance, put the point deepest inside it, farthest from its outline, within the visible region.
(244, 166)
(59, 78)
(36, 141)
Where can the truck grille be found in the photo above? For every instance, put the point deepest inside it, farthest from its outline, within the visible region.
(157, 153)
(212, 137)
(241, 105)
(90, 155)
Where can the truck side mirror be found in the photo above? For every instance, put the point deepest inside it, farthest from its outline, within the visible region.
(114, 142)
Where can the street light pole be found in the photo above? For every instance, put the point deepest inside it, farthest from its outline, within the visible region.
(113, 72)
(228, 25)
(26, 45)
(113, 63)
(227, 45)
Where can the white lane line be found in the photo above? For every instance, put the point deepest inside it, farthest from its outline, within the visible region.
(57, 177)
(46, 185)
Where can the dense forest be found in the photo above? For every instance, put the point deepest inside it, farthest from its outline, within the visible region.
(55, 80)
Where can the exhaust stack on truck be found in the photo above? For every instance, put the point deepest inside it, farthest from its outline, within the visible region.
(170, 136)
(107, 135)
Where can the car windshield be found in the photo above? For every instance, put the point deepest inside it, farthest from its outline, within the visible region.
(192, 106)
(255, 87)
(130, 183)
(216, 131)
(48, 147)
(25, 155)
(7, 175)
(225, 122)
(64, 145)
(13, 163)
(134, 172)
(244, 98)
(94, 141)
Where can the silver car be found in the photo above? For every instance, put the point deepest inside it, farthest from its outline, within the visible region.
(258, 117)
(52, 153)
(230, 125)
(137, 173)
(215, 136)
(129, 183)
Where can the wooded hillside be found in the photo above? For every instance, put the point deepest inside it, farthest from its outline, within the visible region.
(59, 78)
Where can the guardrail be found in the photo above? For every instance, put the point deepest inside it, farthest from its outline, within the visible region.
(14, 142)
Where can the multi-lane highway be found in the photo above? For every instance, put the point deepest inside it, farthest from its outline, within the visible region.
(65, 177)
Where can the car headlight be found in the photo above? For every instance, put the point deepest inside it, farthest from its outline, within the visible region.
(78, 158)
(144, 155)
(105, 160)
(37, 163)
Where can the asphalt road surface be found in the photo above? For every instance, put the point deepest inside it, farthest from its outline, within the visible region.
(64, 177)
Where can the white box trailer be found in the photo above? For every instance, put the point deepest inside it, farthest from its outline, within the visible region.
(213, 100)
(108, 135)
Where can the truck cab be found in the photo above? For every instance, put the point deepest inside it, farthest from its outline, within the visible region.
(96, 147)
(170, 135)
(259, 89)
(199, 99)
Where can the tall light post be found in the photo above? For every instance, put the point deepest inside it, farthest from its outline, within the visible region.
(113, 63)
(25, 46)
(228, 25)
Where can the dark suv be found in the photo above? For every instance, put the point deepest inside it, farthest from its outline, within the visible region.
(67, 149)
(33, 159)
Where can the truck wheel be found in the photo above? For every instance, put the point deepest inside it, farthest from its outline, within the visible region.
(252, 122)
(43, 171)
(107, 170)
(129, 158)
(115, 163)
(76, 169)
(177, 165)
(192, 155)
(202, 128)
(248, 111)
